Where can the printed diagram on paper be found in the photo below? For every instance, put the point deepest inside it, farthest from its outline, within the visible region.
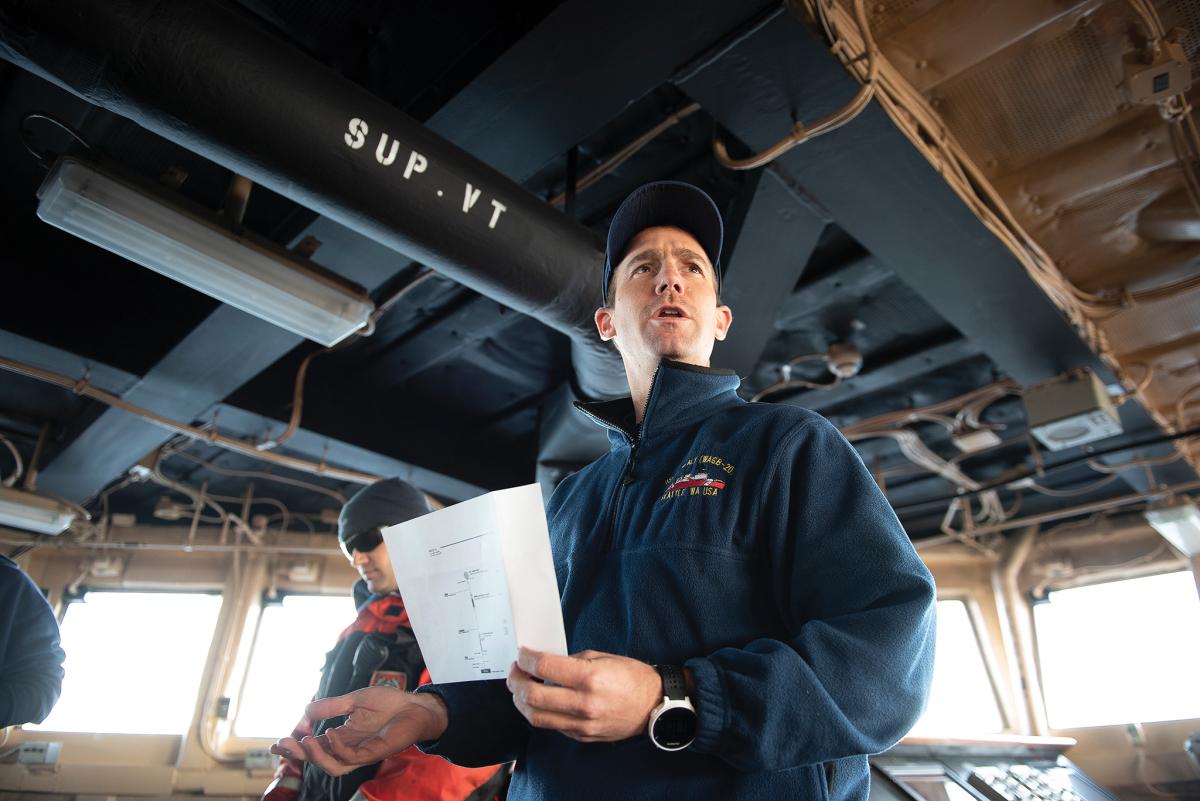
(478, 578)
(476, 603)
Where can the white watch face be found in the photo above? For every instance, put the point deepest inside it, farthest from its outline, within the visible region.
(674, 725)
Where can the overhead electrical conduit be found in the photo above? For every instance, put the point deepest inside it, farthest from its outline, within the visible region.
(208, 77)
(82, 387)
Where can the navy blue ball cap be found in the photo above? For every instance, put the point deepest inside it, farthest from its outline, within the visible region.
(665, 203)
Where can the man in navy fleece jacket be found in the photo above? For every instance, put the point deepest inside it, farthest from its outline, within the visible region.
(741, 548)
(31, 661)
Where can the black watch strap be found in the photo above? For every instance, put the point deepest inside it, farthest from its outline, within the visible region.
(674, 684)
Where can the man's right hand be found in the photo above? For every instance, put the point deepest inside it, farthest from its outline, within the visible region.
(381, 721)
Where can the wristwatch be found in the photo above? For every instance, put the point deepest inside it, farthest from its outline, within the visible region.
(673, 722)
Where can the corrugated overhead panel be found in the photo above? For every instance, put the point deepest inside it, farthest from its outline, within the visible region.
(1035, 97)
(1032, 94)
(886, 17)
(1187, 15)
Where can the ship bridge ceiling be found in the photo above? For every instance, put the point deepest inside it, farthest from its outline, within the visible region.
(865, 284)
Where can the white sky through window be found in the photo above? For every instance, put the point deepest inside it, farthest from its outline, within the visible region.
(1121, 652)
(285, 667)
(962, 700)
(134, 661)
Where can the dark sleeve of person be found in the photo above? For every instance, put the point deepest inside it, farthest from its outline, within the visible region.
(851, 672)
(31, 661)
(485, 727)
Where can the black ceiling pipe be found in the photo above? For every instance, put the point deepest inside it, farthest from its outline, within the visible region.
(206, 76)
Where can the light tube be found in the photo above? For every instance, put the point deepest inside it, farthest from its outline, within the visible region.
(253, 276)
(24, 510)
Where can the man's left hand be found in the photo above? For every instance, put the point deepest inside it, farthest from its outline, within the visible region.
(598, 698)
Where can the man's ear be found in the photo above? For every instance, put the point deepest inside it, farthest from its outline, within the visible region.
(724, 320)
(604, 323)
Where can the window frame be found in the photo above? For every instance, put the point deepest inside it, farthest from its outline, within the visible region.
(987, 657)
(229, 743)
(71, 596)
(78, 596)
(1100, 579)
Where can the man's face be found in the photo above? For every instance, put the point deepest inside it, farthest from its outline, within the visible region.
(375, 566)
(663, 302)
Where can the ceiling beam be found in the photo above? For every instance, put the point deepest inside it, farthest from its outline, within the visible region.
(234, 421)
(226, 350)
(778, 232)
(318, 447)
(47, 357)
(896, 373)
(857, 278)
(441, 340)
(29, 404)
(516, 117)
(886, 195)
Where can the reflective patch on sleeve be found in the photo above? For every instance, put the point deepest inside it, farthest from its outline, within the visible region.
(283, 782)
(389, 678)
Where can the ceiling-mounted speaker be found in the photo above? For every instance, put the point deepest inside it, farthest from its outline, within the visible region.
(1071, 409)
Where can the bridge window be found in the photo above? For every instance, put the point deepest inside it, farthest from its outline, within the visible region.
(289, 649)
(134, 661)
(1120, 652)
(963, 699)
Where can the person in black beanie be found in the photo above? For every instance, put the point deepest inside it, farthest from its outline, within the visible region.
(378, 650)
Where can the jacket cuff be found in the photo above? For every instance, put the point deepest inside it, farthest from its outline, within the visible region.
(435, 746)
(710, 706)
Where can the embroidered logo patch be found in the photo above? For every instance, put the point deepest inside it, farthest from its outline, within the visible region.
(389, 678)
(700, 476)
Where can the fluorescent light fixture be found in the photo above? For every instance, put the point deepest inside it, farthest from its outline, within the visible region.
(245, 272)
(24, 510)
(1179, 524)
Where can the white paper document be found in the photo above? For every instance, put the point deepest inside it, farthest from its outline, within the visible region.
(478, 580)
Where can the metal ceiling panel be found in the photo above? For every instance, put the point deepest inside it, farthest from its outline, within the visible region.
(886, 195)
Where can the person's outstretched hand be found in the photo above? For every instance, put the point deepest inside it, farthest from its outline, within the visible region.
(381, 721)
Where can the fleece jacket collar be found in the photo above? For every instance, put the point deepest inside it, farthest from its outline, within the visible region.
(680, 395)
